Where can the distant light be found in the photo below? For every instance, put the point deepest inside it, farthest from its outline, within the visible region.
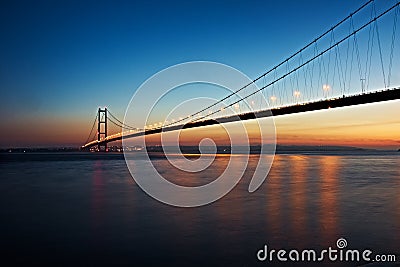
(273, 98)
(296, 93)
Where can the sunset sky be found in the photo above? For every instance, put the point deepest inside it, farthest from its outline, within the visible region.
(61, 60)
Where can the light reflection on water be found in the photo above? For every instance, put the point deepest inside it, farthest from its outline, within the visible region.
(328, 204)
(91, 211)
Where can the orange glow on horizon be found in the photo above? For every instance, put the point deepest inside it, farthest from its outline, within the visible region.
(369, 126)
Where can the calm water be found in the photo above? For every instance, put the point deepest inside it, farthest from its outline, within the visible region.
(85, 209)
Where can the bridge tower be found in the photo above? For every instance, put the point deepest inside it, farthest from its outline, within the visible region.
(102, 128)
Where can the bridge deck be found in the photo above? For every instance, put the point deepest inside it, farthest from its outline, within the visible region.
(378, 96)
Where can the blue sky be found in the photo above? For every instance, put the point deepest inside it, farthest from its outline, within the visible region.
(60, 60)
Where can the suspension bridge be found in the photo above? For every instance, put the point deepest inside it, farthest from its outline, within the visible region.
(356, 61)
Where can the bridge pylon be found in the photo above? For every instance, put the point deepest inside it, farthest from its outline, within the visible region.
(102, 128)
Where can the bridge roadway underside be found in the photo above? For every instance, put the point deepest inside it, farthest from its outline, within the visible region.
(379, 96)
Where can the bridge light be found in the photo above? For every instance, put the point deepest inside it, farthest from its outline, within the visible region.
(236, 106)
(326, 87)
(273, 98)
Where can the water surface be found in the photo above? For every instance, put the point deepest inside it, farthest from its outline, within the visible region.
(70, 209)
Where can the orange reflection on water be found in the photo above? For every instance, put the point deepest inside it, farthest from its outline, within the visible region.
(230, 218)
(274, 198)
(299, 174)
(329, 166)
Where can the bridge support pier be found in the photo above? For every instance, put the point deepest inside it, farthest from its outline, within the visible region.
(102, 128)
